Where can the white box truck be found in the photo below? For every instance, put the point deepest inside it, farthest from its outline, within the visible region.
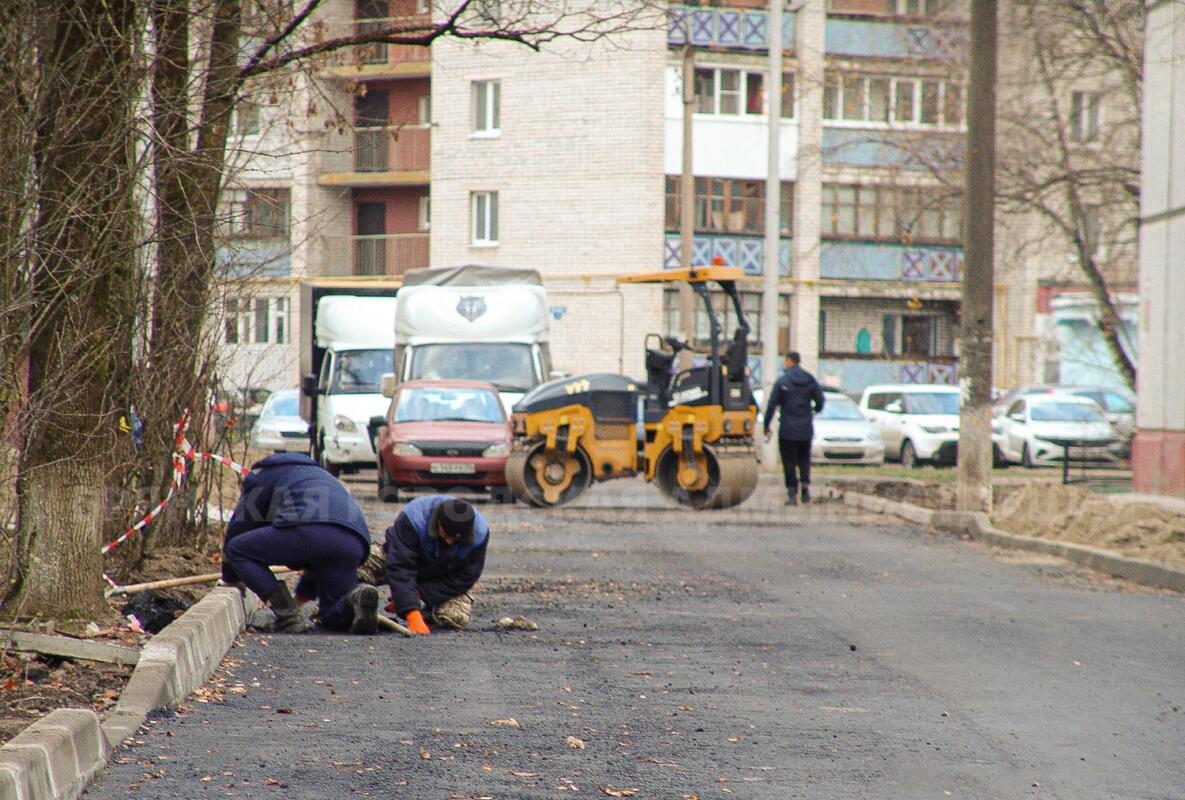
(349, 334)
(474, 323)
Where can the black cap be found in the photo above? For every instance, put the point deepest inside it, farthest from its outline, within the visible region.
(455, 517)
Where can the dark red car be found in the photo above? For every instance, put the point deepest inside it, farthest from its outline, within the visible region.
(443, 435)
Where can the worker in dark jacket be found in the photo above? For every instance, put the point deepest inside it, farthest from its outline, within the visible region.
(435, 552)
(797, 397)
(293, 513)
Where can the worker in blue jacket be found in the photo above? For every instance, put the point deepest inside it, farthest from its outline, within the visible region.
(293, 513)
(435, 553)
(797, 397)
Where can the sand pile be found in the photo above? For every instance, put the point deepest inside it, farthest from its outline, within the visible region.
(1068, 513)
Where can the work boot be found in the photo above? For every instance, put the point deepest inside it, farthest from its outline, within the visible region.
(806, 494)
(792, 500)
(364, 599)
(289, 617)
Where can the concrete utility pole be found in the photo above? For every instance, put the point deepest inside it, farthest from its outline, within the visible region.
(975, 357)
(687, 207)
(773, 221)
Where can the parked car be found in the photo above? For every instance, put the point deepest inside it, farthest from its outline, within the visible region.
(843, 435)
(279, 426)
(444, 435)
(1118, 407)
(1002, 403)
(919, 422)
(1023, 432)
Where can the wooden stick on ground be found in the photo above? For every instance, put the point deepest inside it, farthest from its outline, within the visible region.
(392, 625)
(169, 583)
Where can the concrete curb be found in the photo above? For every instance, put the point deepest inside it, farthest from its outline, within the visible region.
(57, 756)
(977, 526)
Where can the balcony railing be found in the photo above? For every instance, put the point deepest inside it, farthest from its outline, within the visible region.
(730, 28)
(867, 38)
(384, 254)
(374, 54)
(851, 373)
(890, 261)
(746, 252)
(392, 149)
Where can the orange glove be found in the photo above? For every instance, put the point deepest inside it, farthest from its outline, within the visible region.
(416, 624)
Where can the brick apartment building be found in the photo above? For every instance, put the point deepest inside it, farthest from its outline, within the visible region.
(568, 161)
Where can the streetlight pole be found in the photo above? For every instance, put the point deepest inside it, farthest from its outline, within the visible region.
(773, 214)
(687, 208)
(974, 480)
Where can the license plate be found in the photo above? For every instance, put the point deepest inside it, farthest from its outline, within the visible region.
(451, 468)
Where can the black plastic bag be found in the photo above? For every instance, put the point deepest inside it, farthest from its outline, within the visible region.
(153, 610)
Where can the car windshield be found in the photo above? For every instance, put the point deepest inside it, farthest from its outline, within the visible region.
(931, 403)
(839, 407)
(285, 405)
(510, 367)
(1064, 412)
(359, 371)
(455, 405)
(1112, 401)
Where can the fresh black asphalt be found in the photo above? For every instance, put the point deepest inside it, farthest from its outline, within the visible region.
(764, 653)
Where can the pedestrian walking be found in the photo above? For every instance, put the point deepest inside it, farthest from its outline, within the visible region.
(293, 513)
(436, 551)
(796, 397)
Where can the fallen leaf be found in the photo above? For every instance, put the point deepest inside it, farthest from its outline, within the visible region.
(488, 767)
(507, 723)
(574, 743)
(271, 782)
(424, 754)
(206, 778)
(735, 738)
(611, 792)
(518, 774)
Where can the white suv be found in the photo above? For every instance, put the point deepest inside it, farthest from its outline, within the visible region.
(918, 421)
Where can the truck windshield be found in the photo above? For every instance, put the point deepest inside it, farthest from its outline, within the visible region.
(359, 371)
(454, 405)
(509, 367)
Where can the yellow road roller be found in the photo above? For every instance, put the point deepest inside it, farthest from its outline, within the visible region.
(689, 432)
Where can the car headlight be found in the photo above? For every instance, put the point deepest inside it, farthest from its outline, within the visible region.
(874, 436)
(935, 428)
(405, 449)
(344, 424)
(496, 450)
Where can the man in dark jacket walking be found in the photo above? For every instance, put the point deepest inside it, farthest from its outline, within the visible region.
(797, 396)
(436, 551)
(293, 513)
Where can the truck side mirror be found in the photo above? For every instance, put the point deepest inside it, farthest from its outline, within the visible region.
(308, 385)
(387, 385)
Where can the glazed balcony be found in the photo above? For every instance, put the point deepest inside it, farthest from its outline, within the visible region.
(890, 261)
(852, 372)
(896, 39)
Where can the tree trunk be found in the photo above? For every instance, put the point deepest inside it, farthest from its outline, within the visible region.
(81, 250)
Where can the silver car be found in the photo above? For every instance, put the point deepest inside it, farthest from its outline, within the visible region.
(280, 426)
(843, 435)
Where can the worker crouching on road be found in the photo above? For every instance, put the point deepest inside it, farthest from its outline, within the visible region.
(435, 553)
(293, 513)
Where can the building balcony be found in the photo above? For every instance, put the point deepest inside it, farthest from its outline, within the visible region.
(386, 156)
(734, 250)
(853, 372)
(255, 258)
(381, 255)
(725, 28)
(890, 261)
(862, 145)
(869, 38)
(377, 60)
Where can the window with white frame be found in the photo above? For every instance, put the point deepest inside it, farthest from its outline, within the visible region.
(723, 91)
(425, 215)
(1084, 116)
(917, 8)
(892, 213)
(256, 320)
(258, 213)
(246, 118)
(892, 100)
(487, 107)
(485, 218)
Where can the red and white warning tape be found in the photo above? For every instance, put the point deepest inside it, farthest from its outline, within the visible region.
(183, 453)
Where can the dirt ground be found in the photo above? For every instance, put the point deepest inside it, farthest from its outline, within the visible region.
(938, 495)
(32, 685)
(1072, 514)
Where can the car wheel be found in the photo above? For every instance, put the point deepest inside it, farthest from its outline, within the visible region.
(909, 456)
(323, 461)
(387, 492)
(1026, 457)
